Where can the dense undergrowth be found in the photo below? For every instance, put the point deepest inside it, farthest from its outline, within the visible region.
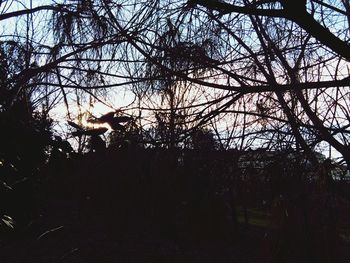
(154, 204)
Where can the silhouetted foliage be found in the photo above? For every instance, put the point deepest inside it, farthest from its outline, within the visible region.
(217, 157)
(25, 141)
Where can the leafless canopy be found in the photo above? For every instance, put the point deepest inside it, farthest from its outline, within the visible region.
(258, 72)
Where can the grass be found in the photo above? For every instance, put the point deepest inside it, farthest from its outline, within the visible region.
(256, 217)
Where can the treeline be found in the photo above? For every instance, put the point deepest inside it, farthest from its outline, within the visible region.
(292, 208)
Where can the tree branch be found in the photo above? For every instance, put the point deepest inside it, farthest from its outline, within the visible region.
(34, 10)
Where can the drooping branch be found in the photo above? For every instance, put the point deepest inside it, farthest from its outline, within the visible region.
(56, 8)
(291, 12)
(226, 8)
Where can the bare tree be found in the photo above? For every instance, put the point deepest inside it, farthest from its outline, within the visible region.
(280, 68)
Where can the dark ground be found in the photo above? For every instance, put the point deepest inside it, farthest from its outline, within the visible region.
(145, 207)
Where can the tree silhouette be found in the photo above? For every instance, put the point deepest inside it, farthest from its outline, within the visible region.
(267, 78)
(297, 60)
